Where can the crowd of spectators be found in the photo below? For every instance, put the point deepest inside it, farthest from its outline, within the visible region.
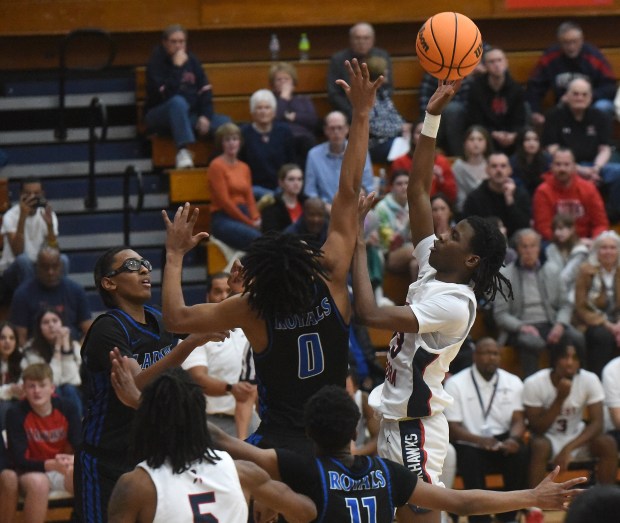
(550, 178)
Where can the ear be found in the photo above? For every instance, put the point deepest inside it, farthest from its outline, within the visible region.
(108, 284)
(472, 261)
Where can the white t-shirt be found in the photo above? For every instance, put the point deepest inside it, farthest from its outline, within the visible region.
(204, 489)
(467, 407)
(586, 389)
(611, 386)
(35, 234)
(225, 361)
(417, 362)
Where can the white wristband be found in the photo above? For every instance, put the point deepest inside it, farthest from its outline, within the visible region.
(431, 125)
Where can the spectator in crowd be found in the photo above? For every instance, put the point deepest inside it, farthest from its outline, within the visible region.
(443, 216)
(540, 313)
(49, 288)
(26, 227)
(497, 102)
(556, 400)
(529, 161)
(217, 367)
(392, 213)
(267, 144)
(443, 177)
(179, 95)
(11, 388)
(43, 431)
(180, 455)
(566, 251)
(611, 386)
(597, 300)
(235, 219)
(51, 343)
(386, 123)
(488, 434)
(296, 110)
(313, 224)
(286, 206)
(325, 161)
(576, 124)
(470, 170)
(564, 61)
(564, 191)
(362, 47)
(500, 196)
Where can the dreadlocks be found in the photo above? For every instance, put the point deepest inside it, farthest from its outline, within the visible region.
(172, 416)
(279, 274)
(490, 244)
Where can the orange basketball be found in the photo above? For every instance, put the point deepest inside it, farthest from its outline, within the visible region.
(449, 46)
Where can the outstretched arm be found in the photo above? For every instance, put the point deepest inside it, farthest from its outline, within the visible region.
(295, 508)
(338, 248)
(421, 176)
(547, 495)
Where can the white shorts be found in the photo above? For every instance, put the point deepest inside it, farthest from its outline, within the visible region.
(57, 481)
(559, 441)
(420, 444)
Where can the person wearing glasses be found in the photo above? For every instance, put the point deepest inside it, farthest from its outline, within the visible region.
(123, 279)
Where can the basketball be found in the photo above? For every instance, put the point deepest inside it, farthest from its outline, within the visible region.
(449, 46)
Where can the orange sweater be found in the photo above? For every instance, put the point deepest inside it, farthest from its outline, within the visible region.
(231, 186)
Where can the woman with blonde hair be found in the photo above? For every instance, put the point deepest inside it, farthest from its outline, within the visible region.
(597, 300)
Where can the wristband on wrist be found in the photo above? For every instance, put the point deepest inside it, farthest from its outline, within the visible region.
(229, 387)
(431, 125)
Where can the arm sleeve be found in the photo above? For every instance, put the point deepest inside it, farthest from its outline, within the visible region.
(595, 209)
(161, 83)
(311, 188)
(18, 442)
(305, 113)
(537, 85)
(337, 97)
(543, 212)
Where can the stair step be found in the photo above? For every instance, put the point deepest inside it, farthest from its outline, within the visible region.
(58, 169)
(47, 136)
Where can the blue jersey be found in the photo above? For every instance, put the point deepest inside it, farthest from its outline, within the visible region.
(304, 352)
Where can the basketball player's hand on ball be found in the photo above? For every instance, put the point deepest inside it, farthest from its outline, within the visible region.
(360, 90)
(180, 237)
(442, 96)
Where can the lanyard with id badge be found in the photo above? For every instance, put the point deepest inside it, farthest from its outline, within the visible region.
(485, 429)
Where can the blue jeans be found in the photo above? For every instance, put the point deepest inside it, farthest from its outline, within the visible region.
(233, 232)
(174, 117)
(22, 269)
(71, 393)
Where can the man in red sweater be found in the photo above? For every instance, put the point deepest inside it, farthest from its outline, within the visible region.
(564, 191)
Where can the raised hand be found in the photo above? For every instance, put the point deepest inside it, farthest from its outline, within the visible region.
(180, 237)
(556, 496)
(360, 90)
(442, 96)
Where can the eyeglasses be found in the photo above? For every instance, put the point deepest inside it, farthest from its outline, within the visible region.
(131, 265)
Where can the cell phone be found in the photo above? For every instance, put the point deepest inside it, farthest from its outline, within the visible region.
(40, 201)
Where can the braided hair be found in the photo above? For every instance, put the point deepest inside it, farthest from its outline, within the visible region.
(489, 243)
(279, 275)
(172, 416)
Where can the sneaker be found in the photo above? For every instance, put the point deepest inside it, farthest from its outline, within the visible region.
(184, 159)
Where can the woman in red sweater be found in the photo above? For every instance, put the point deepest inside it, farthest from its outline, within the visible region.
(235, 220)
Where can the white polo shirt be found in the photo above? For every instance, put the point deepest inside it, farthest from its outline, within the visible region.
(611, 386)
(500, 397)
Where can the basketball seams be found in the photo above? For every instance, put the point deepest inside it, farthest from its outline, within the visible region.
(439, 50)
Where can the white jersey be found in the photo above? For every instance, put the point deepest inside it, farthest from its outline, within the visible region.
(586, 389)
(474, 397)
(417, 362)
(226, 360)
(205, 490)
(611, 386)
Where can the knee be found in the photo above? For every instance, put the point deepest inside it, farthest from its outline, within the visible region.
(35, 484)
(604, 447)
(178, 103)
(8, 482)
(540, 447)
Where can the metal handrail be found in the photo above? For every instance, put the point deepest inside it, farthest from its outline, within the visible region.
(129, 172)
(61, 129)
(98, 113)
